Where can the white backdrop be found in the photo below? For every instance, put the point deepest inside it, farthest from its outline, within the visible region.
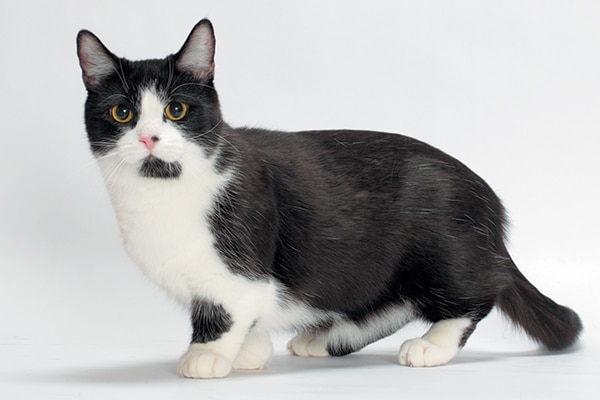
(510, 88)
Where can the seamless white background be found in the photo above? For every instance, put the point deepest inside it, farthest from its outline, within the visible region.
(510, 88)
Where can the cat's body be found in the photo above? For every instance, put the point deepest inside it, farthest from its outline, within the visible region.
(341, 236)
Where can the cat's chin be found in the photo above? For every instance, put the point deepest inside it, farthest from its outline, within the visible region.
(153, 167)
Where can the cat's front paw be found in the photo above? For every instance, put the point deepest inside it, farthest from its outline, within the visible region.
(307, 346)
(256, 352)
(423, 353)
(199, 362)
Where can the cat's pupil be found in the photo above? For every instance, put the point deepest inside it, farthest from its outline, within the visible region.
(122, 112)
(176, 109)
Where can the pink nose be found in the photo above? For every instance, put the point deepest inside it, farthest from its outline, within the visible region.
(149, 141)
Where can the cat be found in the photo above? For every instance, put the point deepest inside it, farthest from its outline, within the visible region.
(340, 236)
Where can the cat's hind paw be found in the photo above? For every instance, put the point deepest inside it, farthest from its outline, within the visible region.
(423, 353)
(199, 362)
(307, 346)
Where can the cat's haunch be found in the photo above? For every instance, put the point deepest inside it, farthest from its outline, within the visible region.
(340, 236)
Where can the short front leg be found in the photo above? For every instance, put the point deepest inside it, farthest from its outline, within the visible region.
(216, 341)
(256, 351)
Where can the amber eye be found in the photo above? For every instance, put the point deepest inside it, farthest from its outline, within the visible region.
(176, 110)
(121, 113)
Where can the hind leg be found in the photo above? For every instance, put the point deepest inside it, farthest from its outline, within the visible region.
(439, 345)
(345, 336)
(340, 339)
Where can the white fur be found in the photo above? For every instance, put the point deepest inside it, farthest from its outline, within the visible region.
(156, 216)
(164, 223)
(256, 351)
(198, 362)
(292, 315)
(308, 345)
(437, 346)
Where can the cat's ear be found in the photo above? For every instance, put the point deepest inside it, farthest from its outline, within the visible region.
(197, 56)
(94, 58)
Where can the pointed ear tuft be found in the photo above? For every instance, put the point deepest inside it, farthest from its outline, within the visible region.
(197, 56)
(94, 58)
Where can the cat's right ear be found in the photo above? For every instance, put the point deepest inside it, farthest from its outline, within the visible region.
(197, 56)
(94, 58)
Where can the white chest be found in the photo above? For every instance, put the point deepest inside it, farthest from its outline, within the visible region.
(165, 229)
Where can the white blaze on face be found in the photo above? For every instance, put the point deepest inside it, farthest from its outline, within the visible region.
(167, 140)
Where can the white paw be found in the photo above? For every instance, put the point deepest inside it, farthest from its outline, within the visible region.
(307, 346)
(202, 363)
(422, 353)
(255, 354)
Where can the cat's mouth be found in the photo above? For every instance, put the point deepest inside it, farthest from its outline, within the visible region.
(153, 167)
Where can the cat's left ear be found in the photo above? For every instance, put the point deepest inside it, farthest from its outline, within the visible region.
(197, 56)
(94, 58)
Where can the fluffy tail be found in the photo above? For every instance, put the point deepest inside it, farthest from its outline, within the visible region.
(550, 324)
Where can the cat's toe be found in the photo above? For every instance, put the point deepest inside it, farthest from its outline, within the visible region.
(202, 363)
(423, 353)
(307, 346)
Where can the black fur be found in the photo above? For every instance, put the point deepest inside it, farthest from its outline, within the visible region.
(209, 321)
(355, 222)
(153, 167)
(352, 222)
(340, 350)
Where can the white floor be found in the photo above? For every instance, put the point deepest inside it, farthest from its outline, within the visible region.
(98, 330)
(114, 371)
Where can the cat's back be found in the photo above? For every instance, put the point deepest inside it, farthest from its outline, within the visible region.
(360, 155)
(354, 143)
(384, 175)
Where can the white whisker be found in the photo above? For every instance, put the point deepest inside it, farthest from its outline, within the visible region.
(107, 156)
(190, 84)
(117, 95)
(121, 75)
(199, 135)
(221, 137)
(111, 171)
(171, 72)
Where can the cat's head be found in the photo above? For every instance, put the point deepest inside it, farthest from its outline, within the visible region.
(145, 115)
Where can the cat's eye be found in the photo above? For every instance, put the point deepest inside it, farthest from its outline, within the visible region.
(176, 110)
(121, 113)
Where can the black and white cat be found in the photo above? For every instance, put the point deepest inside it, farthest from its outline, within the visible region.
(341, 236)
